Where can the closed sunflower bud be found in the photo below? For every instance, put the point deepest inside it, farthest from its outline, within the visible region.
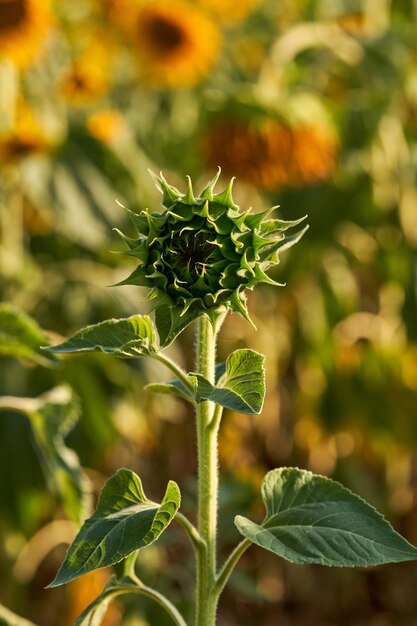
(200, 254)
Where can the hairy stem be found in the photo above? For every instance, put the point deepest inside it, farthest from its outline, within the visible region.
(207, 433)
(191, 531)
(230, 564)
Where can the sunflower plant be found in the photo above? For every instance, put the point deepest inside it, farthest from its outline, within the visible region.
(198, 257)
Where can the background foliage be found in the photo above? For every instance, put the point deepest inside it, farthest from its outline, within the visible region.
(312, 104)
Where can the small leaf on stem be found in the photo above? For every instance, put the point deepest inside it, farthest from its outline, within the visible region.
(124, 521)
(244, 388)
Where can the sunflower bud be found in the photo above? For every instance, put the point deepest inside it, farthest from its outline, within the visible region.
(200, 254)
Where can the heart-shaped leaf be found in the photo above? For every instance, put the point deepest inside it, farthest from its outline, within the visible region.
(124, 521)
(244, 387)
(312, 519)
(133, 336)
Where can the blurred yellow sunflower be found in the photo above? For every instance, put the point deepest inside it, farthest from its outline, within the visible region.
(105, 125)
(84, 83)
(88, 77)
(271, 154)
(175, 42)
(230, 11)
(23, 27)
(24, 138)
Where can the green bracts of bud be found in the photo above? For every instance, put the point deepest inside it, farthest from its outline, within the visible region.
(200, 254)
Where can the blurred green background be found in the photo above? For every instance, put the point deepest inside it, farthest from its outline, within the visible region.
(312, 105)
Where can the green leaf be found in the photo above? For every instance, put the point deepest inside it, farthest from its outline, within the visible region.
(21, 337)
(52, 416)
(133, 336)
(244, 388)
(170, 322)
(75, 185)
(283, 244)
(63, 192)
(124, 521)
(94, 613)
(312, 519)
(220, 370)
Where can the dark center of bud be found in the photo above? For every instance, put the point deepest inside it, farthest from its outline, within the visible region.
(12, 13)
(163, 36)
(192, 250)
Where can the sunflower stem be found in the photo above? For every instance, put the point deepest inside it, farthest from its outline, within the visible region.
(207, 436)
(230, 564)
(191, 531)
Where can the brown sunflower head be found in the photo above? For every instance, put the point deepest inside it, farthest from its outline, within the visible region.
(269, 151)
(257, 152)
(12, 14)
